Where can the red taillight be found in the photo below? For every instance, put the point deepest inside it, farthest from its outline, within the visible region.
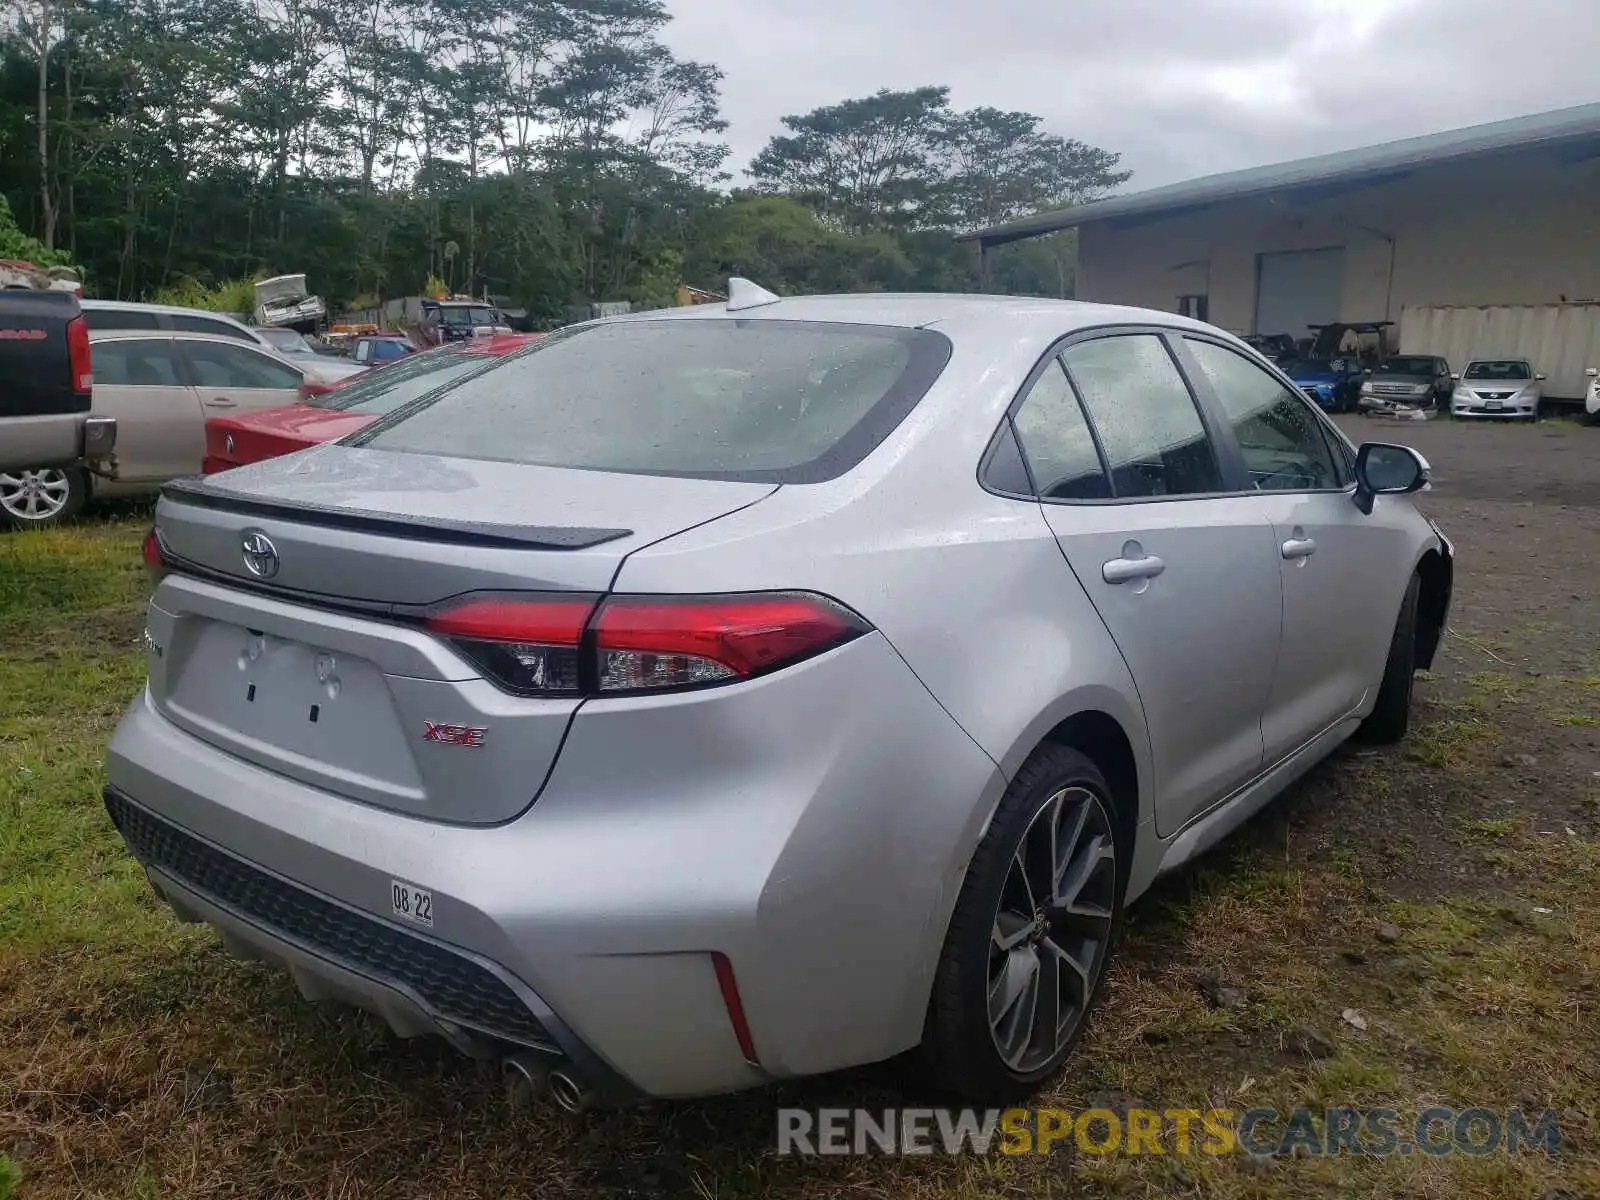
(645, 643)
(527, 644)
(79, 355)
(155, 560)
(560, 645)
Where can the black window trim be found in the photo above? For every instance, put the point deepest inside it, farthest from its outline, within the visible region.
(1332, 436)
(1230, 459)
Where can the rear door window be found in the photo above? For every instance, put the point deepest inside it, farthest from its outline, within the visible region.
(1056, 440)
(1149, 428)
(767, 400)
(137, 362)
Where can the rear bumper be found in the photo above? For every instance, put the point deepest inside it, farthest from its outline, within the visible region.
(55, 440)
(818, 845)
(333, 952)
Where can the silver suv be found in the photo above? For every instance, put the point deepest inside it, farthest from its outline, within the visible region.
(701, 698)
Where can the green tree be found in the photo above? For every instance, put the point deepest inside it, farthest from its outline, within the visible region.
(998, 166)
(861, 164)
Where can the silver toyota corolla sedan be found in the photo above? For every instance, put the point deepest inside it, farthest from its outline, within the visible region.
(733, 693)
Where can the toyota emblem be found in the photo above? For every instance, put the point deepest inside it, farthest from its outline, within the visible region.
(260, 555)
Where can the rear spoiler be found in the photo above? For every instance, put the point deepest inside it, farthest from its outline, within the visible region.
(204, 492)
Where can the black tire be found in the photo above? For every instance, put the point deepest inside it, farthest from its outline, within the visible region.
(1391, 717)
(960, 1047)
(63, 505)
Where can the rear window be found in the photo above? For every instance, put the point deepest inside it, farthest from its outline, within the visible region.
(384, 391)
(776, 401)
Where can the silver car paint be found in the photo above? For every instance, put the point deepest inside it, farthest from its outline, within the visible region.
(1518, 397)
(818, 844)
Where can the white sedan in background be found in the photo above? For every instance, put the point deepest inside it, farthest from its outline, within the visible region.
(1591, 402)
(1497, 387)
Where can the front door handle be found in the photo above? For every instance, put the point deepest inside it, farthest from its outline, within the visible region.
(1301, 547)
(1125, 570)
(222, 402)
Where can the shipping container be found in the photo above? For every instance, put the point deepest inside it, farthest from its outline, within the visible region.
(1561, 340)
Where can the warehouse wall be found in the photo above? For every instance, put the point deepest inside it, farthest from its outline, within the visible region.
(1519, 229)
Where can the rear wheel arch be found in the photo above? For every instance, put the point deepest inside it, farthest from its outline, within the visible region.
(1099, 737)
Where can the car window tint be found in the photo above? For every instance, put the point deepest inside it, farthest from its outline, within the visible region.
(120, 318)
(138, 363)
(1055, 438)
(1149, 427)
(773, 400)
(203, 325)
(217, 365)
(1283, 442)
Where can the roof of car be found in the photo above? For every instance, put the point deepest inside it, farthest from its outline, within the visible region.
(914, 310)
(187, 335)
(170, 309)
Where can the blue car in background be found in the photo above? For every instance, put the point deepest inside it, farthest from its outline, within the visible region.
(1329, 371)
(1334, 384)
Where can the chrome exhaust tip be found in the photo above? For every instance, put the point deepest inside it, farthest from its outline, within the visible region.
(526, 1075)
(570, 1094)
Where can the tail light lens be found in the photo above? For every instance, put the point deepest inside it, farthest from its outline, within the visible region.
(647, 643)
(155, 557)
(562, 645)
(80, 356)
(530, 646)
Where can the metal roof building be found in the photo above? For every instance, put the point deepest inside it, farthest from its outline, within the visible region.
(1497, 216)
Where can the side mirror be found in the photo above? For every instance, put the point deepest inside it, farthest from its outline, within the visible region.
(1386, 470)
(1592, 372)
(1366, 370)
(1455, 374)
(1538, 378)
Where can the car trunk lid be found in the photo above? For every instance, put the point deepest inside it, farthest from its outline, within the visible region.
(319, 668)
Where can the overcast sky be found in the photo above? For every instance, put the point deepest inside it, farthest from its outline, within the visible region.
(1179, 87)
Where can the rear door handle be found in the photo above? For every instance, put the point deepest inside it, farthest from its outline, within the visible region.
(1303, 547)
(1125, 570)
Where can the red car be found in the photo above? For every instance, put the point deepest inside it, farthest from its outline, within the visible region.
(326, 413)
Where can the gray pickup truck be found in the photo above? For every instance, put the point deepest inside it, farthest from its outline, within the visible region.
(46, 380)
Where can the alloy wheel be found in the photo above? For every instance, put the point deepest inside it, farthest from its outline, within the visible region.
(34, 495)
(1051, 929)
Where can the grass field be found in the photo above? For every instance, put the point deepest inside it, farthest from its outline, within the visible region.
(137, 1060)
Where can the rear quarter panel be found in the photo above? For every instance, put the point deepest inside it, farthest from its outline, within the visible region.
(969, 588)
